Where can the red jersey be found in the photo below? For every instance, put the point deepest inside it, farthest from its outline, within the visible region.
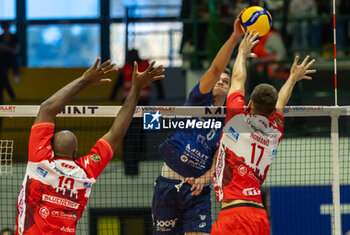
(247, 146)
(55, 191)
(127, 75)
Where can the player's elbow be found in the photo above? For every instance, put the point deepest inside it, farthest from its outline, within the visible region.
(46, 106)
(49, 109)
(215, 70)
(114, 139)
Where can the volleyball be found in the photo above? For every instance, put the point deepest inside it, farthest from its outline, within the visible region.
(257, 18)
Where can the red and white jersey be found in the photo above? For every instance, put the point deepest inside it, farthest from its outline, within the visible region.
(55, 191)
(247, 146)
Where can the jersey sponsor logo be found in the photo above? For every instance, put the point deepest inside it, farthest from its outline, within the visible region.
(166, 225)
(242, 170)
(279, 121)
(232, 133)
(196, 152)
(68, 229)
(251, 192)
(262, 132)
(260, 139)
(60, 201)
(58, 170)
(41, 171)
(220, 162)
(184, 158)
(274, 152)
(67, 165)
(87, 185)
(202, 225)
(61, 172)
(64, 215)
(21, 203)
(44, 212)
(151, 120)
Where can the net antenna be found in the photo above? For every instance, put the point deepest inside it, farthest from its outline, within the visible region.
(6, 153)
(335, 57)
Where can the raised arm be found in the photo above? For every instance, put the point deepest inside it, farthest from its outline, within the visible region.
(221, 60)
(239, 71)
(124, 117)
(94, 75)
(297, 73)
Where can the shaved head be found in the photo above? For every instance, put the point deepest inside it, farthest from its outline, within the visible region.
(65, 144)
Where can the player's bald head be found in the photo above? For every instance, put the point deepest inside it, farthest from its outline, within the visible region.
(65, 144)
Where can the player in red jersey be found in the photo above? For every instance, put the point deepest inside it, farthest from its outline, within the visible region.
(248, 144)
(58, 183)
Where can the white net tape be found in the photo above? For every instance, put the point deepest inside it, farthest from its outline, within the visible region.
(193, 111)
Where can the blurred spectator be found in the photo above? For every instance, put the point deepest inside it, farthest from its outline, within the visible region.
(7, 231)
(189, 39)
(304, 28)
(125, 75)
(134, 142)
(344, 9)
(271, 48)
(326, 11)
(9, 48)
(276, 8)
(239, 5)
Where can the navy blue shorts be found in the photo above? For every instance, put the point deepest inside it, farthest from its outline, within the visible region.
(177, 211)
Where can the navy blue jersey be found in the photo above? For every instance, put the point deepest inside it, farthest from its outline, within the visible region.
(189, 152)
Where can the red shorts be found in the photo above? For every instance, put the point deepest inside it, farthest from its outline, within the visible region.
(243, 218)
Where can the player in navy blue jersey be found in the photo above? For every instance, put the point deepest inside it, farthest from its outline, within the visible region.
(181, 200)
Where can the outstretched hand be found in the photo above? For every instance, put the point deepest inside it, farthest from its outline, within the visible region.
(142, 79)
(247, 44)
(299, 72)
(237, 29)
(98, 74)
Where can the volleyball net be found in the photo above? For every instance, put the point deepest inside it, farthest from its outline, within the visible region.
(307, 190)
